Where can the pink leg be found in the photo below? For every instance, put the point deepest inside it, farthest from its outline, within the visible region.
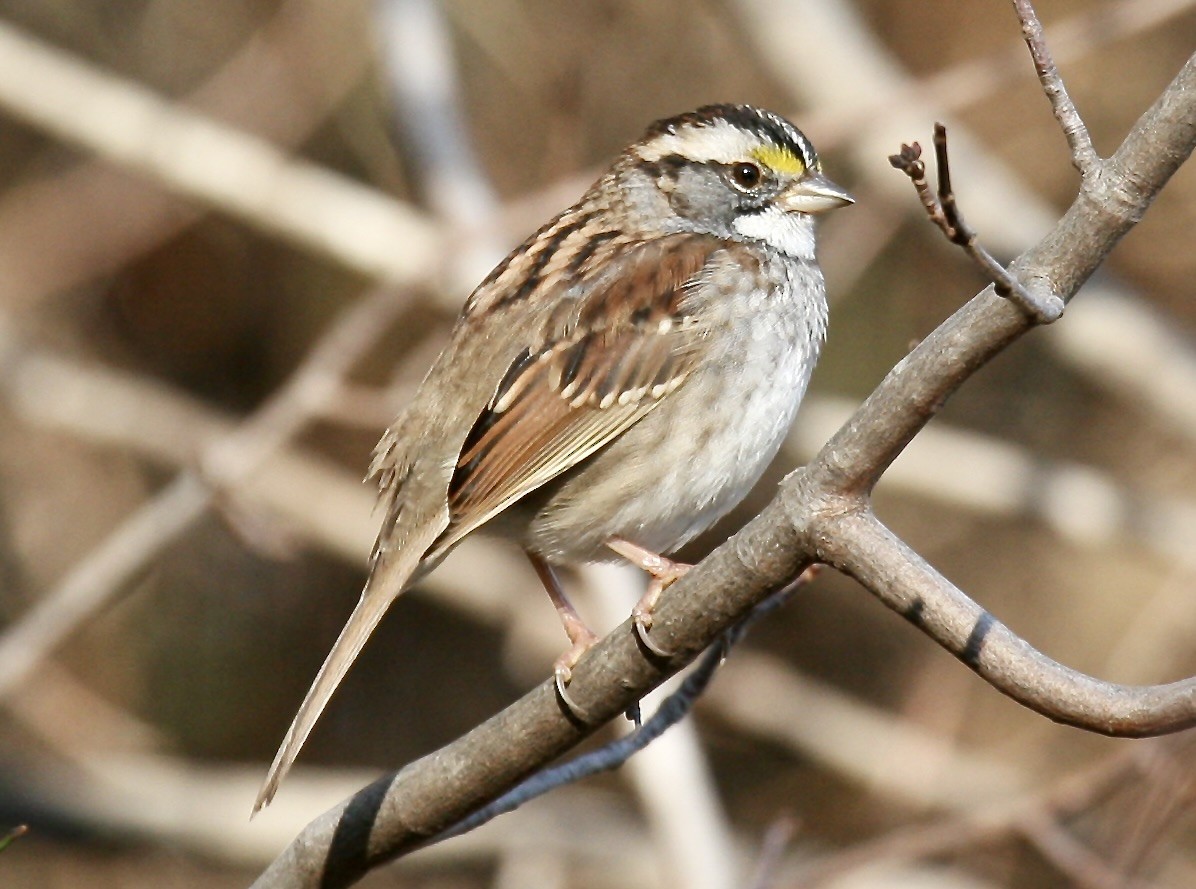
(662, 570)
(581, 636)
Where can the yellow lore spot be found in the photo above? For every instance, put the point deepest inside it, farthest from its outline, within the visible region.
(780, 159)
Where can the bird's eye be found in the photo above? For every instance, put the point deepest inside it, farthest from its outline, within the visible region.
(746, 175)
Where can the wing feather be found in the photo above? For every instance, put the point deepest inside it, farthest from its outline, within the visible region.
(601, 364)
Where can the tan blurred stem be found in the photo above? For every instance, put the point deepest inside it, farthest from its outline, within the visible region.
(212, 163)
(60, 231)
(1035, 814)
(96, 726)
(107, 569)
(112, 565)
(417, 51)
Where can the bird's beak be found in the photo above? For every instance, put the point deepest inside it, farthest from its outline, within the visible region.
(814, 193)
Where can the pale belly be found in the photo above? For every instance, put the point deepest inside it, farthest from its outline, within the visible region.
(691, 460)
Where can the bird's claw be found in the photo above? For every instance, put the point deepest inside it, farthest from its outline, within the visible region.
(561, 681)
(642, 621)
(562, 670)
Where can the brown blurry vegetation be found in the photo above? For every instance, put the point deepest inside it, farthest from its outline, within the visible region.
(196, 356)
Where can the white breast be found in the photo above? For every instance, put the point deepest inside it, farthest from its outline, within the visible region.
(691, 460)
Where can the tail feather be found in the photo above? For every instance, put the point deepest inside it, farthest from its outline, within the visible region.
(389, 578)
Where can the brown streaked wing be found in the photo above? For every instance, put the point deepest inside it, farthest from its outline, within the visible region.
(605, 360)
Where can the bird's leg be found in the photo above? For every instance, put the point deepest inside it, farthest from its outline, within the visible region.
(581, 636)
(663, 571)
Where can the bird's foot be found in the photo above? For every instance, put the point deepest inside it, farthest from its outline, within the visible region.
(582, 639)
(664, 572)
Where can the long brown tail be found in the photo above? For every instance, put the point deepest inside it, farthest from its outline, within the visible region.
(387, 581)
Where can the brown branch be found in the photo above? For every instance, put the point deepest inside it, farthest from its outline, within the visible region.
(397, 813)
(858, 544)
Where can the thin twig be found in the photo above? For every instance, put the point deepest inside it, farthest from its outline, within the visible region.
(1083, 154)
(943, 210)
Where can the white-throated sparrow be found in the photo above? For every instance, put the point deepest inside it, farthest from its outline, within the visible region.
(627, 373)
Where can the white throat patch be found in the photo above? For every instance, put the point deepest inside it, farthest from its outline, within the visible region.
(791, 233)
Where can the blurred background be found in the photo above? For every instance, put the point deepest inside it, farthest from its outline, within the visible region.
(232, 238)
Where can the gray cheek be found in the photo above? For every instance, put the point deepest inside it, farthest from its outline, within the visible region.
(681, 203)
(701, 197)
